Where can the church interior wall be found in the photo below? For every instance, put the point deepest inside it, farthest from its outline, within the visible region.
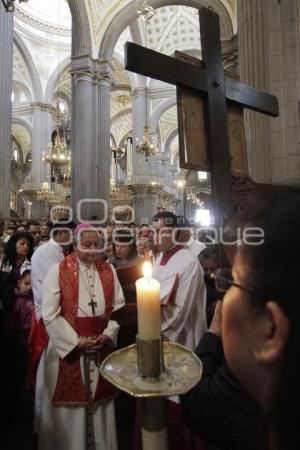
(278, 73)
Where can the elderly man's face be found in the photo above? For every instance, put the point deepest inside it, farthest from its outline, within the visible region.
(88, 247)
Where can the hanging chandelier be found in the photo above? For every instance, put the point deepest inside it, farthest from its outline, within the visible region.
(45, 194)
(58, 155)
(147, 146)
(145, 12)
(9, 5)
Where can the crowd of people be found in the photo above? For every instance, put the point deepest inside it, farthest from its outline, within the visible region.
(68, 299)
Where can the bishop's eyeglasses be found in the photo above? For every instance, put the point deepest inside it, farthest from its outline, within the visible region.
(224, 280)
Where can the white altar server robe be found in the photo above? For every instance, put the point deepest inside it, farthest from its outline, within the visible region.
(44, 257)
(184, 321)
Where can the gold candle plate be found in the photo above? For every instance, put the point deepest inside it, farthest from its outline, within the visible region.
(182, 371)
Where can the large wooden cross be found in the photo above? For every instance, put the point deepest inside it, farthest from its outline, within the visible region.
(208, 81)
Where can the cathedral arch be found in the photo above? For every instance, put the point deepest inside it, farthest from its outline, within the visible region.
(159, 110)
(168, 142)
(81, 34)
(53, 80)
(22, 93)
(37, 93)
(23, 122)
(128, 14)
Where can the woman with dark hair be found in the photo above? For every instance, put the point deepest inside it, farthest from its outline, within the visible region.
(18, 252)
(19, 249)
(261, 317)
(124, 248)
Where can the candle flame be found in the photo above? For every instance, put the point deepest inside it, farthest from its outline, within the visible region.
(147, 269)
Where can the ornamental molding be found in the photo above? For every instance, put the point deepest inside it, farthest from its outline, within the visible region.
(86, 66)
(158, 190)
(101, 13)
(43, 106)
(40, 25)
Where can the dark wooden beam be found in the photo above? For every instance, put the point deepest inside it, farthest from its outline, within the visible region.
(155, 65)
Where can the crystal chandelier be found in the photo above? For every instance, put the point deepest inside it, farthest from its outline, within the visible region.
(9, 5)
(58, 154)
(145, 12)
(45, 194)
(147, 146)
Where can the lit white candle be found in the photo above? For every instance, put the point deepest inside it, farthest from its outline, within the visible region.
(148, 305)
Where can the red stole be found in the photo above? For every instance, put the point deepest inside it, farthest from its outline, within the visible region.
(37, 342)
(168, 255)
(70, 389)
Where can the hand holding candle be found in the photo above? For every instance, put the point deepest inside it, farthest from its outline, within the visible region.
(148, 305)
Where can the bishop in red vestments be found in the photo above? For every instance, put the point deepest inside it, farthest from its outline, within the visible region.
(79, 295)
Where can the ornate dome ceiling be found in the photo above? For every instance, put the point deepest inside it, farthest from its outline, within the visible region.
(45, 18)
(172, 28)
(45, 26)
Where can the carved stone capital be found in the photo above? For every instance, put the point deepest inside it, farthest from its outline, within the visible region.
(138, 91)
(88, 70)
(140, 189)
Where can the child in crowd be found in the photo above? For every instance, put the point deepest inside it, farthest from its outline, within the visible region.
(20, 328)
(23, 307)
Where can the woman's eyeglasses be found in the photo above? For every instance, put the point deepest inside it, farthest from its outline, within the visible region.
(224, 281)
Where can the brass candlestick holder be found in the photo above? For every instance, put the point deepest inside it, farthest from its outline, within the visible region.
(153, 370)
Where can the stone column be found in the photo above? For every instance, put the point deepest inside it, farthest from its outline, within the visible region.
(103, 138)
(6, 64)
(41, 139)
(145, 201)
(91, 155)
(284, 82)
(269, 48)
(113, 171)
(140, 173)
(253, 68)
(167, 173)
(129, 162)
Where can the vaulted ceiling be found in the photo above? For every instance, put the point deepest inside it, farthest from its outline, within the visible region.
(44, 28)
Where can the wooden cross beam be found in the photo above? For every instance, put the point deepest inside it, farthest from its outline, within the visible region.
(211, 83)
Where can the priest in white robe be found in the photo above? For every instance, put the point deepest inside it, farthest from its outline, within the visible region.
(184, 316)
(79, 295)
(44, 257)
(184, 319)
